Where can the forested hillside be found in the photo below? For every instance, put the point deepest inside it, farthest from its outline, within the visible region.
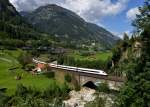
(131, 59)
(13, 24)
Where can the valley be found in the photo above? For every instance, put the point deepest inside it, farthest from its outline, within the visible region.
(52, 55)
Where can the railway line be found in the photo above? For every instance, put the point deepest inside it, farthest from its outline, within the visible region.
(84, 71)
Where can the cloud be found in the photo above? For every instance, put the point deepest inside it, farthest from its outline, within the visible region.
(121, 34)
(131, 14)
(93, 10)
(90, 10)
(118, 34)
(29, 5)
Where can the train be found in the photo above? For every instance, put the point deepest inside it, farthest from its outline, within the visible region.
(78, 69)
(75, 69)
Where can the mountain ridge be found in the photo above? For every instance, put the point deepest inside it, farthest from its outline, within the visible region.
(12, 23)
(63, 23)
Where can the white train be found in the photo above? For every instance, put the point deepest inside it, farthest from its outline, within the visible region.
(36, 61)
(78, 69)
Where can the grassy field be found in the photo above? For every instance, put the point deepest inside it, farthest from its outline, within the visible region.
(103, 56)
(7, 76)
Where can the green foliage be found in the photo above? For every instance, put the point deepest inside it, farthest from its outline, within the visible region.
(136, 91)
(3, 99)
(53, 91)
(11, 68)
(24, 59)
(50, 74)
(126, 37)
(21, 90)
(15, 32)
(68, 78)
(65, 90)
(29, 67)
(142, 20)
(77, 87)
(13, 24)
(85, 54)
(121, 56)
(116, 54)
(81, 61)
(103, 87)
(30, 97)
(98, 102)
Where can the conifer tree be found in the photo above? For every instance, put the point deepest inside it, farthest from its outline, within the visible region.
(136, 92)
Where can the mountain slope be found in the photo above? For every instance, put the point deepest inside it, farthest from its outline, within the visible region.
(12, 23)
(65, 24)
(7, 11)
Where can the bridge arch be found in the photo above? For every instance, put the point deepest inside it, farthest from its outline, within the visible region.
(90, 84)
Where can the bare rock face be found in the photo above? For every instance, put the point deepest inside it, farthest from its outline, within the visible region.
(80, 98)
(137, 49)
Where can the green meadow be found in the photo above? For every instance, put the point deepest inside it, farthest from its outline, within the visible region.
(10, 68)
(103, 56)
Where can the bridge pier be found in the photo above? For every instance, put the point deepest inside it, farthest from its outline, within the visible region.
(84, 75)
(81, 79)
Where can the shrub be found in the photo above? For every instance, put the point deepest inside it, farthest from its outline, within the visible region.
(29, 67)
(98, 102)
(3, 99)
(21, 90)
(103, 87)
(50, 74)
(24, 59)
(31, 97)
(77, 87)
(68, 78)
(52, 91)
(65, 90)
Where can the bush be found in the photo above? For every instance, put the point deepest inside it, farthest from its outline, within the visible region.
(85, 53)
(29, 67)
(77, 87)
(52, 91)
(98, 102)
(103, 87)
(68, 78)
(65, 90)
(21, 90)
(3, 99)
(24, 59)
(50, 75)
(31, 97)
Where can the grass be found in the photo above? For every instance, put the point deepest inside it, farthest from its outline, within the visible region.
(7, 77)
(103, 56)
(8, 60)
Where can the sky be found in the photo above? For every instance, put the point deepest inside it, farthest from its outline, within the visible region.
(114, 15)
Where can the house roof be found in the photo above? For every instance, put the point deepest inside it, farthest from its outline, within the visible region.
(41, 66)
